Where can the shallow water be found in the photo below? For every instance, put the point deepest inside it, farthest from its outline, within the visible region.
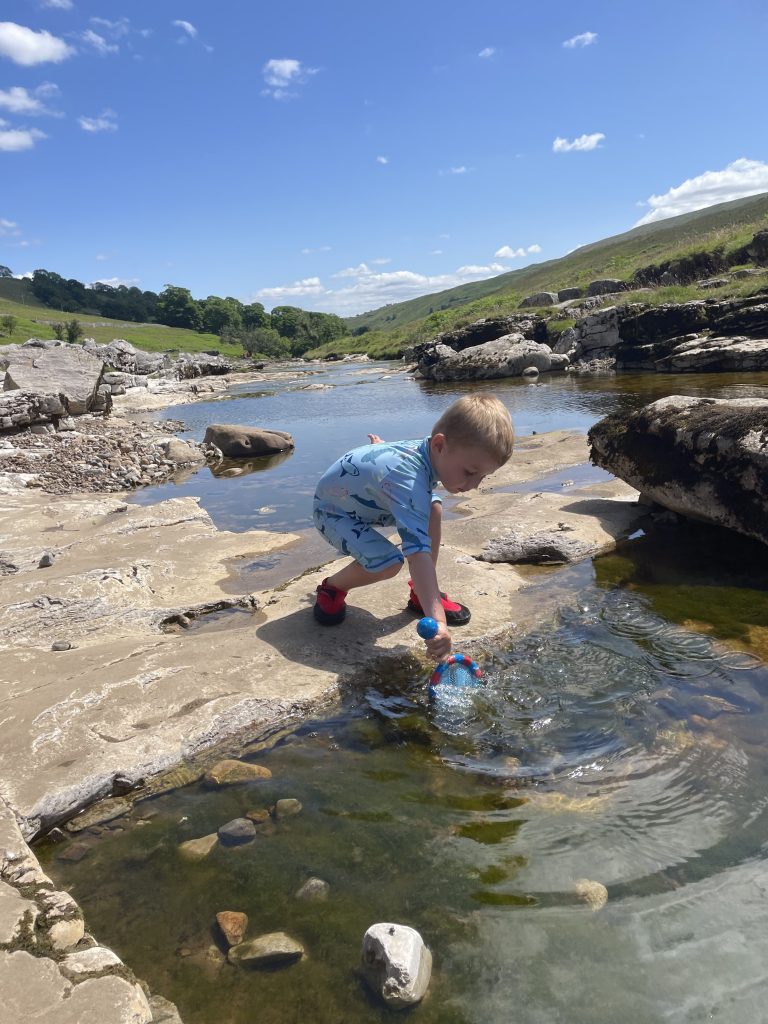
(622, 743)
(277, 493)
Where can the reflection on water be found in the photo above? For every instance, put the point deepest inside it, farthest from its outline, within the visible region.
(381, 399)
(623, 744)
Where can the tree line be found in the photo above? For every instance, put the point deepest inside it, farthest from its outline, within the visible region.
(286, 331)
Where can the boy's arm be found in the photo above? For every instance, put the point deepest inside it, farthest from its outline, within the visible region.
(425, 584)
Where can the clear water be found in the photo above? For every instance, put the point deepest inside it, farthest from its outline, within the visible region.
(277, 493)
(624, 743)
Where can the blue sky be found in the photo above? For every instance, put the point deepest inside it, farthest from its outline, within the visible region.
(340, 156)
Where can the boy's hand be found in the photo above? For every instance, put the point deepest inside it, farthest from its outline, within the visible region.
(439, 647)
(375, 439)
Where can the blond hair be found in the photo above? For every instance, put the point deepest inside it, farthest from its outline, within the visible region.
(479, 421)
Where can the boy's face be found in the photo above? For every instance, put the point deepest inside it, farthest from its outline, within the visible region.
(460, 467)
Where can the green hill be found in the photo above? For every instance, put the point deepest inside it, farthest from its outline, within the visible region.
(35, 321)
(730, 225)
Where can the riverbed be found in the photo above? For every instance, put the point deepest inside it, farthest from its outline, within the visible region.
(621, 741)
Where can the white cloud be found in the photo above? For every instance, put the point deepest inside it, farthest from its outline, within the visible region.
(309, 286)
(101, 257)
(8, 227)
(62, 5)
(488, 51)
(187, 31)
(283, 75)
(26, 47)
(98, 43)
(439, 252)
(369, 289)
(115, 282)
(457, 170)
(580, 145)
(18, 100)
(382, 261)
(584, 39)
(506, 252)
(382, 159)
(13, 140)
(739, 179)
(114, 29)
(320, 248)
(106, 122)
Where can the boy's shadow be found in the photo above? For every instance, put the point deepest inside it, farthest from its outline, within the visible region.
(341, 649)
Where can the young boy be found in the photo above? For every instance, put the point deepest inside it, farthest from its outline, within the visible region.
(391, 484)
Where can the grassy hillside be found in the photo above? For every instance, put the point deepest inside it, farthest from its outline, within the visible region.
(730, 225)
(36, 322)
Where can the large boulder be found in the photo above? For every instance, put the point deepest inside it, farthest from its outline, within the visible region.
(606, 286)
(66, 370)
(505, 357)
(598, 331)
(236, 441)
(540, 299)
(705, 458)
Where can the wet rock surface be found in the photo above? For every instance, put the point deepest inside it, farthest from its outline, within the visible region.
(396, 964)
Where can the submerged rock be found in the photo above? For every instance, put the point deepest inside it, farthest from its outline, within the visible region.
(314, 890)
(287, 807)
(396, 964)
(271, 950)
(198, 849)
(594, 894)
(239, 830)
(104, 810)
(233, 925)
(230, 772)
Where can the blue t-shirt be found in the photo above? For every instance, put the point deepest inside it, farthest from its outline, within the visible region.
(384, 485)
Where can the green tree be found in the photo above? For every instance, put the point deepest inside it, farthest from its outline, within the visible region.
(254, 315)
(221, 316)
(5, 271)
(73, 330)
(58, 330)
(8, 324)
(263, 341)
(177, 308)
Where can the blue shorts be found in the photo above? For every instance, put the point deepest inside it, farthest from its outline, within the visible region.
(357, 539)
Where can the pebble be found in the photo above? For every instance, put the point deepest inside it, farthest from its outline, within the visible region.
(63, 645)
(314, 890)
(594, 894)
(287, 807)
(46, 561)
(233, 924)
(239, 830)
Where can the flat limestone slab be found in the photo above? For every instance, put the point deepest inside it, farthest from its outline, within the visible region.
(131, 700)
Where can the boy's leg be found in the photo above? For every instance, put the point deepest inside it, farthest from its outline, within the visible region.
(354, 575)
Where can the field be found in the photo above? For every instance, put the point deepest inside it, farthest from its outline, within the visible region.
(37, 322)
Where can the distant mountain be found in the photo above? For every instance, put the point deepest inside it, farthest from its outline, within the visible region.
(728, 224)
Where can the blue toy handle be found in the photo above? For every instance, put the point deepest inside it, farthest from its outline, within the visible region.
(427, 628)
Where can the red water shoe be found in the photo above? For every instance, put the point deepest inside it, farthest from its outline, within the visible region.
(330, 604)
(455, 614)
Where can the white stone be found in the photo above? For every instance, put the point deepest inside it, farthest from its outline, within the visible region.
(88, 962)
(396, 963)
